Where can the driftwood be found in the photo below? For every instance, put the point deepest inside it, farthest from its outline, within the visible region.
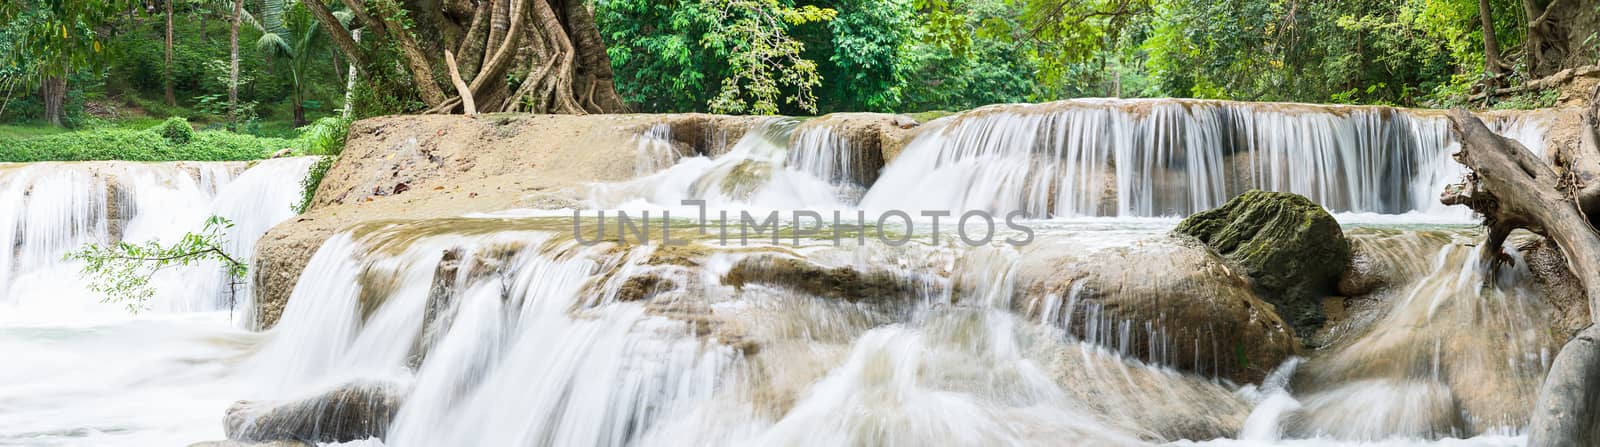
(1512, 189)
(1552, 81)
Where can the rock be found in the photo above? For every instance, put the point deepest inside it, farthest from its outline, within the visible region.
(251, 444)
(1292, 248)
(1568, 410)
(352, 412)
(844, 283)
(1547, 268)
(1168, 301)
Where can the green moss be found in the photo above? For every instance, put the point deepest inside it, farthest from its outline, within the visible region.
(1292, 248)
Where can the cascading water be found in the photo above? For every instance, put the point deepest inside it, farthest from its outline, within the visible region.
(494, 330)
(1172, 158)
(86, 372)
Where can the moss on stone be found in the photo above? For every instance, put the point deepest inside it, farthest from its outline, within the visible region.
(843, 283)
(1292, 248)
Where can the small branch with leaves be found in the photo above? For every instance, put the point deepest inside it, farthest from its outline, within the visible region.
(122, 272)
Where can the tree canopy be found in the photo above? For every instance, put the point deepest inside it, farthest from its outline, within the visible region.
(797, 57)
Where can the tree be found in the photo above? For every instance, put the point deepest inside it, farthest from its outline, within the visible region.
(166, 67)
(1491, 44)
(289, 32)
(122, 271)
(515, 55)
(55, 39)
(763, 57)
(233, 64)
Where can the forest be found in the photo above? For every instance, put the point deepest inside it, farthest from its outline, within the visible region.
(266, 67)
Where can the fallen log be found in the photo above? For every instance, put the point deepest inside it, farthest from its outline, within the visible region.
(1552, 81)
(1512, 189)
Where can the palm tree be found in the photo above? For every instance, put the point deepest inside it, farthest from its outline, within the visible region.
(289, 32)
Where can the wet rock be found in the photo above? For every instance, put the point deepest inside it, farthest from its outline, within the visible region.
(844, 283)
(1568, 410)
(1360, 277)
(352, 412)
(643, 287)
(1292, 248)
(251, 444)
(1168, 301)
(1555, 283)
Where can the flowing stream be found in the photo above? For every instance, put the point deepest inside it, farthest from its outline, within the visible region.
(508, 329)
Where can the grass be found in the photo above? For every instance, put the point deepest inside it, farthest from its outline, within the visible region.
(142, 139)
(27, 130)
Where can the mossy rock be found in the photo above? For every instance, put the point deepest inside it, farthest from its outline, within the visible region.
(844, 283)
(1291, 247)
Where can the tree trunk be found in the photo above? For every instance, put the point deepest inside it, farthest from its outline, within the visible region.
(1545, 45)
(555, 42)
(350, 83)
(1512, 189)
(233, 67)
(342, 37)
(417, 61)
(1491, 45)
(166, 70)
(53, 90)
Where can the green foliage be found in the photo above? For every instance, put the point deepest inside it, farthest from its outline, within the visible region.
(54, 38)
(1530, 100)
(762, 57)
(139, 145)
(313, 180)
(864, 54)
(122, 272)
(177, 130)
(324, 136)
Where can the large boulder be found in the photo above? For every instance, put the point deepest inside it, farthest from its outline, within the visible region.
(1291, 247)
(1168, 301)
(1568, 409)
(352, 412)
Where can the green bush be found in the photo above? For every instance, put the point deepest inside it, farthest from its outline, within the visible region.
(313, 180)
(177, 130)
(324, 136)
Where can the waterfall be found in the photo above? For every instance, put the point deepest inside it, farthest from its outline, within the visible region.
(1173, 158)
(497, 330)
(50, 209)
(779, 164)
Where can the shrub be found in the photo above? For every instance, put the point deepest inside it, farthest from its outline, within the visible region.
(177, 130)
(325, 136)
(313, 180)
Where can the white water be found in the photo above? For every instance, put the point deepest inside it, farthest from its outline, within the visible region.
(1172, 158)
(527, 342)
(82, 372)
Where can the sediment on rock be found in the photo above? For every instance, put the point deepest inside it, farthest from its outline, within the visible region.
(846, 283)
(1167, 301)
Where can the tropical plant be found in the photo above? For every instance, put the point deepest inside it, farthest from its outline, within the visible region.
(288, 32)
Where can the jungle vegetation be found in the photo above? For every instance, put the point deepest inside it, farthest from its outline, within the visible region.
(267, 67)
